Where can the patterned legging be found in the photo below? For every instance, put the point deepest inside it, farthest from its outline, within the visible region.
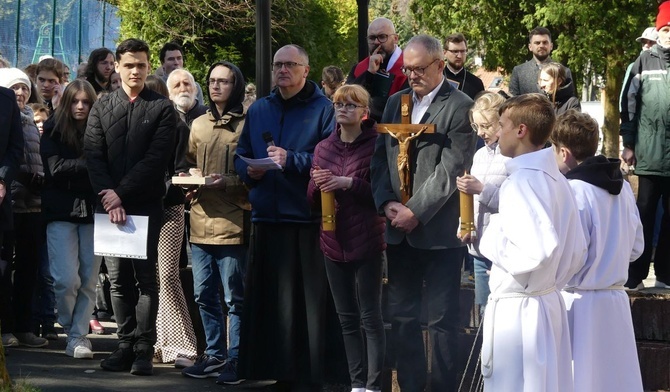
(175, 336)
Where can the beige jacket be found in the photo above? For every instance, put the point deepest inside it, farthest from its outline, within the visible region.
(218, 215)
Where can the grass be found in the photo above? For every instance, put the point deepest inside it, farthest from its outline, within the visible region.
(19, 386)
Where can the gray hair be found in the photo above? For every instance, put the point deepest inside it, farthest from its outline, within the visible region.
(431, 44)
(175, 74)
(301, 52)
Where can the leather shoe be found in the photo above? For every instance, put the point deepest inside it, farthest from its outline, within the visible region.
(96, 327)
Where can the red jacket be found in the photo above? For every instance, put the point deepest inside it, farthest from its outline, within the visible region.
(398, 81)
(359, 230)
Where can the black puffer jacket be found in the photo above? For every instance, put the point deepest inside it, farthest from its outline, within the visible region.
(128, 145)
(565, 98)
(67, 194)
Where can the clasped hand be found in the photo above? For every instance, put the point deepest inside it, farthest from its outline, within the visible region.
(112, 204)
(401, 217)
(327, 182)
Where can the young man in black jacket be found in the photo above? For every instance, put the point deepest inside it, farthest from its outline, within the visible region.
(128, 143)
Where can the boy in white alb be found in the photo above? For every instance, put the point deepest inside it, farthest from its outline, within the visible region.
(535, 246)
(603, 343)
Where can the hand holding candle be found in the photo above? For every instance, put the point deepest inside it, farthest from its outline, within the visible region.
(467, 216)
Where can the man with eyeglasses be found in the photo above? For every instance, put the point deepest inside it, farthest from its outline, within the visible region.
(421, 234)
(455, 51)
(380, 73)
(524, 76)
(283, 328)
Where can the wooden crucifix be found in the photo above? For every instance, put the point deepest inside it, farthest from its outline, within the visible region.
(404, 133)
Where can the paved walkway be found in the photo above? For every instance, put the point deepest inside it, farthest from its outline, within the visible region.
(52, 371)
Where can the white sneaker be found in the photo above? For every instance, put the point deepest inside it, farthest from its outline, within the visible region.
(9, 340)
(79, 347)
(661, 285)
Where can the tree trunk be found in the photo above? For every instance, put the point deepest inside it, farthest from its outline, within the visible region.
(613, 81)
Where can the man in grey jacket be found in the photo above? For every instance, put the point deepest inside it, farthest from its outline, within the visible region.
(524, 76)
(421, 234)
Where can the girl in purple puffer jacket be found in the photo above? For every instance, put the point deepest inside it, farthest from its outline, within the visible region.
(353, 251)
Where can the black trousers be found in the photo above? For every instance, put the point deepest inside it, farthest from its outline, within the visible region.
(134, 288)
(650, 190)
(408, 269)
(356, 288)
(24, 244)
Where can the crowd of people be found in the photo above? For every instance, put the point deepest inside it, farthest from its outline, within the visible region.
(318, 191)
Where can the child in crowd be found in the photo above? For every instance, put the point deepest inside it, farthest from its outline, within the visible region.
(353, 251)
(486, 176)
(598, 307)
(534, 248)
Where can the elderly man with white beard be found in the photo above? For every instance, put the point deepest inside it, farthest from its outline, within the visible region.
(181, 86)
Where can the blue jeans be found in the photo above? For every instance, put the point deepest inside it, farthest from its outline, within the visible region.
(75, 272)
(214, 265)
(482, 289)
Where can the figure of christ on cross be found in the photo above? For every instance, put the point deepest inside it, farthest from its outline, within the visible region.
(404, 133)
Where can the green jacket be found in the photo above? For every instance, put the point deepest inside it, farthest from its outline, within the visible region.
(645, 112)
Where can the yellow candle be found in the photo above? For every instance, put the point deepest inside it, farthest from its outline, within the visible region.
(467, 215)
(328, 211)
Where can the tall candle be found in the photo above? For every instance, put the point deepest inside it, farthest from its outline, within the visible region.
(328, 211)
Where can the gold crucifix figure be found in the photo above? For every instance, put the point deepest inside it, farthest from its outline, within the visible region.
(404, 133)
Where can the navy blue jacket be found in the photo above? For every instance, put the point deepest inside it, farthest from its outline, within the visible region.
(296, 125)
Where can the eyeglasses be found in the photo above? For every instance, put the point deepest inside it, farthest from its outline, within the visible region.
(288, 64)
(452, 51)
(476, 127)
(380, 37)
(349, 107)
(418, 71)
(219, 82)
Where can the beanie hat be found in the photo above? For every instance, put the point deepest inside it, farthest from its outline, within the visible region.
(12, 76)
(663, 18)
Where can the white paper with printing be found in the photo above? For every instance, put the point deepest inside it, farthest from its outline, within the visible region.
(127, 241)
(262, 163)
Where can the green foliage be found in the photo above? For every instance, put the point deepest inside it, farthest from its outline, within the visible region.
(214, 30)
(591, 37)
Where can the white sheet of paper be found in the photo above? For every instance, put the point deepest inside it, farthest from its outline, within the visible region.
(262, 163)
(127, 241)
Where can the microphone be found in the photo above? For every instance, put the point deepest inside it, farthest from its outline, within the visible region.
(267, 138)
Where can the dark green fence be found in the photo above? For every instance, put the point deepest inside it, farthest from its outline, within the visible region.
(26, 30)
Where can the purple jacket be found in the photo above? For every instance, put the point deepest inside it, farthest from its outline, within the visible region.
(359, 230)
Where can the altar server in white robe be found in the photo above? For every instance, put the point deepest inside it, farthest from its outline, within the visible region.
(603, 342)
(536, 246)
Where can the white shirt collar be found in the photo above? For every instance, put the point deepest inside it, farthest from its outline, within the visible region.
(394, 57)
(421, 106)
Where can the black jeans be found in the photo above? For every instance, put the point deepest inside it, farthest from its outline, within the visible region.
(134, 289)
(25, 242)
(356, 288)
(408, 268)
(650, 190)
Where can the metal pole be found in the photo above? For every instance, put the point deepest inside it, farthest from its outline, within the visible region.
(362, 29)
(79, 37)
(104, 17)
(53, 27)
(263, 48)
(18, 32)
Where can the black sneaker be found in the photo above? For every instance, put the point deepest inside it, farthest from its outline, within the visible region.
(119, 360)
(228, 373)
(205, 366)
(143, 366)
(633, 285)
